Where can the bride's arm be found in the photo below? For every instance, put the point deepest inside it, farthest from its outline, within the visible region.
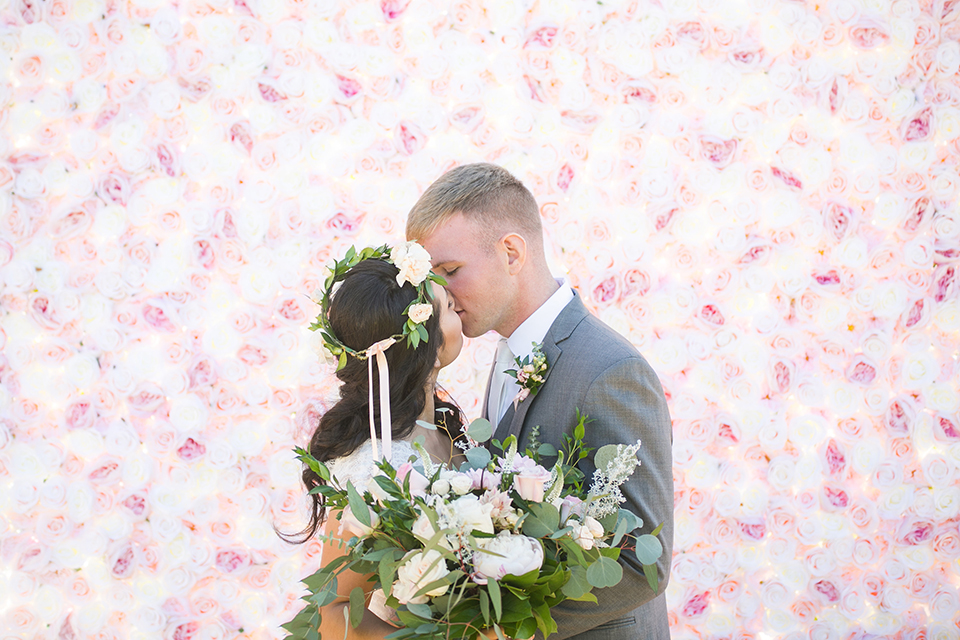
(333, 623)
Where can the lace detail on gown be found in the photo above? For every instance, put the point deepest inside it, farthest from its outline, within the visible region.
(358, 467)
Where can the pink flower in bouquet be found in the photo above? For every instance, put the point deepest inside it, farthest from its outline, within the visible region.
(483, 479)
(530, 481)
(571, 505)
(418, 483)
(502, 506)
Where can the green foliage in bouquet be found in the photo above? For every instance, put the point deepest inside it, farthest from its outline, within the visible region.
(494, 544)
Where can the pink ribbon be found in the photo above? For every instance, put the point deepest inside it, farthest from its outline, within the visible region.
(386, 423)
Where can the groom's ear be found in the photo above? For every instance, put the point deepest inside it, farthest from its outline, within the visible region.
(515, 249)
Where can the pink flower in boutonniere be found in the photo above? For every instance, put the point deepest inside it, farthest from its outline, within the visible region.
(529, 373)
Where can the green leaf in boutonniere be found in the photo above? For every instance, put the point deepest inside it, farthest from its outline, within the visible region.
(529, 373)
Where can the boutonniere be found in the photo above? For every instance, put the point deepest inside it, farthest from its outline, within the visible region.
(529, 373)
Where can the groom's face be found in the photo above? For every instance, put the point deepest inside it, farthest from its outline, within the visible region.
(474, 273)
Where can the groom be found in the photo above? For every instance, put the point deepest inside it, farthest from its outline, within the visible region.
(482, 229)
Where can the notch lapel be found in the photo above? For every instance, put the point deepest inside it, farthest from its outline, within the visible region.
(513, 419)
(571, 316)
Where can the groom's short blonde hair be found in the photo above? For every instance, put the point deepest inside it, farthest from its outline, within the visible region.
(485, 193)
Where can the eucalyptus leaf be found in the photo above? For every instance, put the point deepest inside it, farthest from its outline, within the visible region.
(357, 607)
(420, 610)
(620, 531)
(493, 588)
(577, 585)
(547, 449)
(427, 425)
(605, 572)
(633, 521)
(650, 571)
(485, 607)
(359, 508)
(543, 520)
(478, 457)
(648, 549)
(480, 430)
(604, 456)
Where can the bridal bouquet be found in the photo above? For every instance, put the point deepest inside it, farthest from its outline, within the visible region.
(493, 544)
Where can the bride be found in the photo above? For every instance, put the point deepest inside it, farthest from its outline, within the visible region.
(370, 307)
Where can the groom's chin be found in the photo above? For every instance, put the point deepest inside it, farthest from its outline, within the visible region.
(469, 332)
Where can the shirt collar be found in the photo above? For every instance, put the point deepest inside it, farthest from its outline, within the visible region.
(534, 328)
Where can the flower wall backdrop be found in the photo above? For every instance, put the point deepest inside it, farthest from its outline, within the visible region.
(762, 195)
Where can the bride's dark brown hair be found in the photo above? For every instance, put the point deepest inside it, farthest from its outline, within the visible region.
(368, 307)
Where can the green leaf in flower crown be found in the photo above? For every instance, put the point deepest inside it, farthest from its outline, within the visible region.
(477, 458)
(480, 430)
(604, 456)
(429, 426)
(605, 572)
(543, 520)
(648, 549)
(357, 606)
(360, 510)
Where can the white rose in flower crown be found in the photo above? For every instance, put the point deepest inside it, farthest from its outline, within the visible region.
(507, 554)
(420, 312)
(419, 570)
(413, 262)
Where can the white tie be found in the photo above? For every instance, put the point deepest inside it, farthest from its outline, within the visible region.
(500, 381)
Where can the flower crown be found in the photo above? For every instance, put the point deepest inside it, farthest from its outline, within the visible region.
(413, 261)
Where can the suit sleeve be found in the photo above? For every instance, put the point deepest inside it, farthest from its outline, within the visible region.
(626, 403)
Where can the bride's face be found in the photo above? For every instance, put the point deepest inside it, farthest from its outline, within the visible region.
(449, 326)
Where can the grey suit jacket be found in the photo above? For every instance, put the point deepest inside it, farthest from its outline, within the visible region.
(596, 370)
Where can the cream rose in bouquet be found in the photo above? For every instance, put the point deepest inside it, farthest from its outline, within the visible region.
(493, 544)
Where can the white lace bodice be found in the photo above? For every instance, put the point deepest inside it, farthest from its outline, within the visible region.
(358, 467)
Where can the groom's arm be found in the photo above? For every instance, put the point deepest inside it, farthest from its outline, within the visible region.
(626, 403)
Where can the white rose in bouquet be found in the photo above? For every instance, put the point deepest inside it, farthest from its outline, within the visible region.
(419, 570)
(588, 533)
(351, 525)
(506, 554)
(467, 513)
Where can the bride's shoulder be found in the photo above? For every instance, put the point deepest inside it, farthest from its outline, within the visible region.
(359, 466)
